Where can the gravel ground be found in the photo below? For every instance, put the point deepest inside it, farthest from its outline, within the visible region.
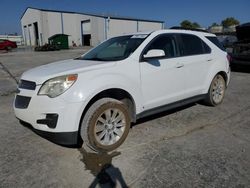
(194, 146)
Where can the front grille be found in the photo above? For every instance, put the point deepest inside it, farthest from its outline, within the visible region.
(24, 84)
(22, 101)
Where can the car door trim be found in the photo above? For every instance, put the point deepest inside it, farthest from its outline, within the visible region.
(170, 106)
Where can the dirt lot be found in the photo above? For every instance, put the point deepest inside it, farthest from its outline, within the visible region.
(196, 146)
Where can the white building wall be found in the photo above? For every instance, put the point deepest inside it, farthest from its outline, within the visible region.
(31, 16)
(50, 23)
(31, 34)
(148, 26)
(54, 23)
(70, 27)
(86, 27)
(116, 27)
(25, 35)
(97, 30)
(44, 34)
(79, 19)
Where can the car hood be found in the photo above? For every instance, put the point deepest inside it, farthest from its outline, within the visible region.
(71, 66)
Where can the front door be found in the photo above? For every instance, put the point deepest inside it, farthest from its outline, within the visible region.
(163, 79)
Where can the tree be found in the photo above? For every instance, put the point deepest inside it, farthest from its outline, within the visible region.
(189, 25)
(196, 25)
(186, 24)
(229, 22)
(214, 24)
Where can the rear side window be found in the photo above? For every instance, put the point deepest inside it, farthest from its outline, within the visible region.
(193, 45)
(216, 42)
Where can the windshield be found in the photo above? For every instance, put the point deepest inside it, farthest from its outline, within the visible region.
(115, 49)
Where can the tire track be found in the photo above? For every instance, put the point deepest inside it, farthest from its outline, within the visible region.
(5, 69)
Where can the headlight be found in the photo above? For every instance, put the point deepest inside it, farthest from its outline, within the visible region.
(56, 86)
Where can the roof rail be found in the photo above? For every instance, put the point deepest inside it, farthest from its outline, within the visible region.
(191, 29)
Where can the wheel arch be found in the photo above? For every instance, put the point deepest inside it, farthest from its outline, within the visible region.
(115, 93)
(224, 75)
(209, 100)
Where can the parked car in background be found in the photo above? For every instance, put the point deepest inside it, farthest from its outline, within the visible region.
(7, 44)
(241, 48)
(227, 41)
(94, 98)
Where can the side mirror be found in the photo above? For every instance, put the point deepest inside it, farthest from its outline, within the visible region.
(154, 54)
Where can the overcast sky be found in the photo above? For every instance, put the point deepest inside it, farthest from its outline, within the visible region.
(171, 12)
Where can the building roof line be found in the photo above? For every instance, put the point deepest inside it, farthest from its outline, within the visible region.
(96, 15)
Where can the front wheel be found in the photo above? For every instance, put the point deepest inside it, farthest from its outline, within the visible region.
(216, 91)
(8, 48)
(105, 125)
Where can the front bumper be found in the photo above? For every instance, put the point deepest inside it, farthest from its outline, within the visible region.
(39, 107)
(55, 119)
(69, 139)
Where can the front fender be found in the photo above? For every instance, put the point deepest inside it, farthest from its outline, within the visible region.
(85, 89)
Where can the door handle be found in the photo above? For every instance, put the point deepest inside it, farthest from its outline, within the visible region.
(179, 65)
(209, 59)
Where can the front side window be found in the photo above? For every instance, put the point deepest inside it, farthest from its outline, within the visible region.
(165, 43)
(193, 45)
(115, 49)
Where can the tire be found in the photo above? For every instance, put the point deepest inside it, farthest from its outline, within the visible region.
(216, 91)
(8, 48)
(105, 125)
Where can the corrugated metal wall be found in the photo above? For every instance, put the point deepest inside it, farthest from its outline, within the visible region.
(50, 23)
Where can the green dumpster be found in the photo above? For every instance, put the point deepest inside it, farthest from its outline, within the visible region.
(59, 40)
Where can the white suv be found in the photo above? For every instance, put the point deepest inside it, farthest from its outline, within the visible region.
(95, 97)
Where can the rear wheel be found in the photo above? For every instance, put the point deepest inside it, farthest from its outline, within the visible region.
(216, 91)
(105, 125)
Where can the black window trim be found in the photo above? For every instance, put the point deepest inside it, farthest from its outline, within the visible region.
(142, 59)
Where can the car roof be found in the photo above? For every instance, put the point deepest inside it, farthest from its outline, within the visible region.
(186, 31)
(162, 31)
(199, 33)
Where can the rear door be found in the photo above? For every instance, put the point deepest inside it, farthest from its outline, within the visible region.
(197, 60)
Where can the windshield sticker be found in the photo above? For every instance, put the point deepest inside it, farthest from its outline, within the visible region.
(139, 36)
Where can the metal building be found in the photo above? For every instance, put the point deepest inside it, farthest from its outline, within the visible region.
(83, 29)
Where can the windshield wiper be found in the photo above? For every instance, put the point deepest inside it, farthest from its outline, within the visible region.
(100, 59)
(94, 59)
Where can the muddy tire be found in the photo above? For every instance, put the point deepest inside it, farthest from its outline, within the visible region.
(216, 91)
(105, 125)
